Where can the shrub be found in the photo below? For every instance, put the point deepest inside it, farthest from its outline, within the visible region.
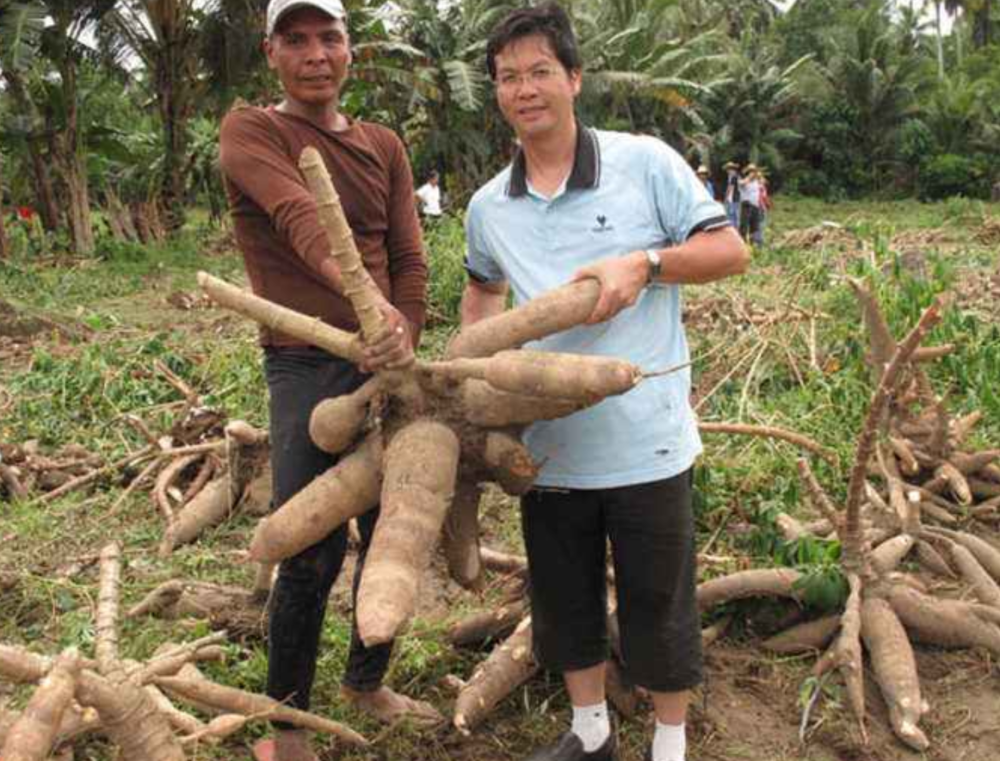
(949, 175)
(444, 240)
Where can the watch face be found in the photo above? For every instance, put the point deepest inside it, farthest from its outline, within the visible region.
(653, 258)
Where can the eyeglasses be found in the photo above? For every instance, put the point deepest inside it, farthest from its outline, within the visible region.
(538, 77)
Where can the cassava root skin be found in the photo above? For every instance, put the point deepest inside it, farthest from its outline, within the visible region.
(336, 422)
(552, 312)
(34, 734)
(895, 669)
(347, 490)
(460, 537)
(507, 666)
(231, 700)
(421, 464)
(338, 342)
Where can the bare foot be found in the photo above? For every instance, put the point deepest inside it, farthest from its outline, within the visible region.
(287, 745)
(389, 706)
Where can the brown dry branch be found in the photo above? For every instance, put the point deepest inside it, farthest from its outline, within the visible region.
(130, 710)
(238, 610)
(81, 481)
(202, 692)
(772, 432)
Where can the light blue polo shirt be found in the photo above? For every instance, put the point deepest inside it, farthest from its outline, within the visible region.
(625, 193)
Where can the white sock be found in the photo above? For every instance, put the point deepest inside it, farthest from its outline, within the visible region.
(591, 724)
(669, 742)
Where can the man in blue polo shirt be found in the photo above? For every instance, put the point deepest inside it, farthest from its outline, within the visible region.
(628, 211)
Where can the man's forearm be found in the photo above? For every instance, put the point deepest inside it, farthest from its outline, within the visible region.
(478, 303)
(705, 257)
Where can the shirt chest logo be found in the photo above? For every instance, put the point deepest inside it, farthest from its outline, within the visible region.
(603, 225)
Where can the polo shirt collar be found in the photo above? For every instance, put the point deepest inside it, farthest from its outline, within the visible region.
(586, 172)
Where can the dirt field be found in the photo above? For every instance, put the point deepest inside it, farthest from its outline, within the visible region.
(74, 367)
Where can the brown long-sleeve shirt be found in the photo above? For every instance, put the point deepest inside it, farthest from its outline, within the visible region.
(276, 223)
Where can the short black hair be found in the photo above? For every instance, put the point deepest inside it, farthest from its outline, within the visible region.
(550, 21)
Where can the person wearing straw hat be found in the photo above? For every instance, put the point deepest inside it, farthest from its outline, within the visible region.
(287, 257)
(750, 203)
(731, 198)
(706, 180)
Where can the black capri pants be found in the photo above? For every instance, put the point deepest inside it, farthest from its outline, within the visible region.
(297, 380)
(651, 531)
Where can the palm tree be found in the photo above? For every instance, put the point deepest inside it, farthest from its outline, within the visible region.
(939, 36)
(61, 45)
(751, 111)
(20, 32)
(953, 112)
(234, 61)
(876, 83)
(980, 12)
(165, 35)
(430, 80)
(650, 64)
(21, 25)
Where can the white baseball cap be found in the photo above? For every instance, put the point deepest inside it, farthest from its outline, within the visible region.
(278, 8)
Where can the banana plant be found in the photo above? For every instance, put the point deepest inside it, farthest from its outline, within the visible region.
(21, 25)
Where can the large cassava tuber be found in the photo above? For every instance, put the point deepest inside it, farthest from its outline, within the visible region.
(421, 463)
(347, 490)
(434, 420)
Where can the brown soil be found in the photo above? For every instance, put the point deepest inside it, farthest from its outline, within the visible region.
(750, 709)
(19, 325)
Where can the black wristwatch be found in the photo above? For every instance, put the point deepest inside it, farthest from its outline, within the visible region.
(655, 264)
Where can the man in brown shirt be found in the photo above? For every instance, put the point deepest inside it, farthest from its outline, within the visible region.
(288, 261)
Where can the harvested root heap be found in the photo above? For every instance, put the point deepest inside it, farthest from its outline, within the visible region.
(128, 702)
(241, 612)
(911, 444)
(414, 437)
(198, 471)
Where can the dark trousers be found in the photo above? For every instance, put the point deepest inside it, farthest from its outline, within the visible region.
(750, 219)
(297, 380)
(651, 531)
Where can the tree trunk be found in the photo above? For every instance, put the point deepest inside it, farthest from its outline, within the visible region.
(141, 222)
(940, 39)
(45, 197)
(4, 245)
(956, 31)
(121, 215)
(81, 229)
(173, 113)
(74, 167)
(981, 26)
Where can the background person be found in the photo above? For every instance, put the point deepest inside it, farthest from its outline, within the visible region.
(732, 194)
(429, 197)
(765, 207)
(631, 214)
(706, 180)
(750, 203)
(287, 257)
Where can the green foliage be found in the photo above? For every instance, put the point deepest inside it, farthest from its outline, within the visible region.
(88, 390)
(444, 241)
(21, 25)
(949, 175)
(823, 587)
